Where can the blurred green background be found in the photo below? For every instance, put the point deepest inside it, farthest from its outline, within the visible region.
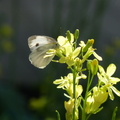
(28, 93)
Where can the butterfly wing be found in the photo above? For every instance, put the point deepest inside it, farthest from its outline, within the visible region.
(39, 45)
(37, 59)
(35, 42)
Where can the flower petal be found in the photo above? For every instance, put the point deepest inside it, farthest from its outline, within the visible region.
(101, 69)
(76, 52)
(111, 69)
(68, 49)
(97, 56)
(61, 40)
(82, 44)
(58, 81)
(102, 79)
(110, 93)
(62, 60)
(117, 92)
(114, 80)
(79, 90)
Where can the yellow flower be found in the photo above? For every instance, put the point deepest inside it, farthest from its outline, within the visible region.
(89, 50)
(100, 95)
(69, 106)
(65, 81)
(66, 50)
(108, 81)
(92, 65)
(79, 90)
(95, 100)
(65, 44)
(70, 58)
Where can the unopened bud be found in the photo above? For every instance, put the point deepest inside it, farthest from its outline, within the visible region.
(89, 43)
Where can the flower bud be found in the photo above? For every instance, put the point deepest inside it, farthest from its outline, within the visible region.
(89, 64)
(76, 34)
(68, 35)
(92, 65)
(89, 43)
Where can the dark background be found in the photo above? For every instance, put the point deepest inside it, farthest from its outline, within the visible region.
(28, 93)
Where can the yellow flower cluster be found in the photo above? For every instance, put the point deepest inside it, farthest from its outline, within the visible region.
(74, 57)
(107, 81)
(66, 83)
(77, 56)
(70, 54)
(105, 87)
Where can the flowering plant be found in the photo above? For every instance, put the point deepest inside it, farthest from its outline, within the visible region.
(78, 58)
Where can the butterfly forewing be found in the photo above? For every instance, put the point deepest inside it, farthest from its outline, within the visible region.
(36, 41)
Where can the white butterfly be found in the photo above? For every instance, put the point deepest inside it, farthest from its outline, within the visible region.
(39, 45)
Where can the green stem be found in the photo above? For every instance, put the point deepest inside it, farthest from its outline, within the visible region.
(74, 92)
(84, 101)
(88, 116)
(89, 82)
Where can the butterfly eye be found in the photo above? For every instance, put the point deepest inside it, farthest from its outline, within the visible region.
(37, 44)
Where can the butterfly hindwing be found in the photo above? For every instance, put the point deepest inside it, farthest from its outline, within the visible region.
(38, 60)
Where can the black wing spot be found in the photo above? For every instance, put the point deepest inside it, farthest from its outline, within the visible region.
(37, 44)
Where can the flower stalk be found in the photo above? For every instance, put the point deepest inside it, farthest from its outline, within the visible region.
(74, 93)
